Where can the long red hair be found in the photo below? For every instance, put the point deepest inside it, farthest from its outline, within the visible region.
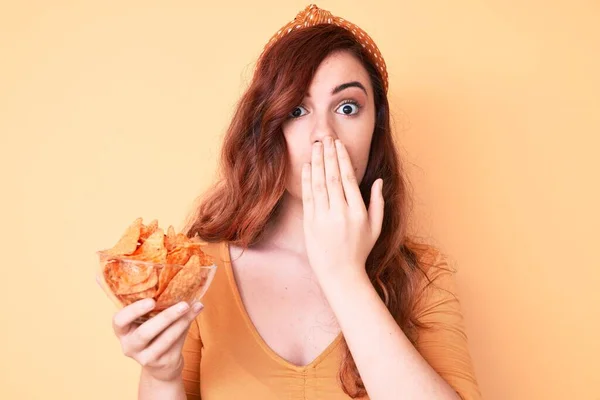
(254, 166)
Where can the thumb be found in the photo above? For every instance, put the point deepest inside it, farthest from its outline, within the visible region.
(376, 207)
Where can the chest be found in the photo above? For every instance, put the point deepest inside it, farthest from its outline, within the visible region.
(285, 303)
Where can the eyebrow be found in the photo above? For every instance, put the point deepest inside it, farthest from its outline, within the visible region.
(345, 86)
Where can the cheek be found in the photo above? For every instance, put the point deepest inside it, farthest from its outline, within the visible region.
(297, 154)
(359, 158)
(294, 179)
(359, 172)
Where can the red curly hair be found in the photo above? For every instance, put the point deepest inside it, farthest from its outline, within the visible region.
(254, 166)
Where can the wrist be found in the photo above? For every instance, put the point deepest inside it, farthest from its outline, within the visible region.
(350, 273)
(164, 375)
(344, 279)
(160, 386)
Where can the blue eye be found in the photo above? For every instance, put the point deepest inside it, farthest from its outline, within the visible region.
(295, 114)
(348, 106)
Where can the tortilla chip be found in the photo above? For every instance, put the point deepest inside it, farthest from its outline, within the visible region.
(122, 275)
(170, 239)
(109, 277)
(181, 240)
(148, 230)
(128, 242)
(166, 274)
(147, 263)
(153, 249)
(205, 259)
(179, 256)
(197, 240)
(183, 285)
(139, 287)
(127, 299)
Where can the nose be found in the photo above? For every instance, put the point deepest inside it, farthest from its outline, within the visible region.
(322, 129)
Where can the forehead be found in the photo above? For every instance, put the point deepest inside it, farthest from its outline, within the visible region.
(335, 69)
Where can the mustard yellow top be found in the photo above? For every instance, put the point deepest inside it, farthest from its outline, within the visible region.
(226, 358)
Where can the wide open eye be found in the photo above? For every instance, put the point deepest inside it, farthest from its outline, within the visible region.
(349, 108)
(297, 113)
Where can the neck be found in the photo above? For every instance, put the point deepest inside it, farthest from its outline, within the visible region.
(286, 231)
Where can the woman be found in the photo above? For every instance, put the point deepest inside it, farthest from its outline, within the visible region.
(319, 292)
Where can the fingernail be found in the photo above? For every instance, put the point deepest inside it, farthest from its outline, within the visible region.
(148, 304)
(181, 307)
(197, 307)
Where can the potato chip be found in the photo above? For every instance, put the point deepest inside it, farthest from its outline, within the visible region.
(183, 285)
(128, 242)
(148, 230)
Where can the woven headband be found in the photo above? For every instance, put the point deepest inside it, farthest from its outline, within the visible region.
(313, 15)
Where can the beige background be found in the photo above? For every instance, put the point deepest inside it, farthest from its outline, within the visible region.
(114, 110)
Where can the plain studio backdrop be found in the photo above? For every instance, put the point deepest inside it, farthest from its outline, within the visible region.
(113, 110)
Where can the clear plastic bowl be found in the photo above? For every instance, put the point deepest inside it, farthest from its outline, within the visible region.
(125, 281)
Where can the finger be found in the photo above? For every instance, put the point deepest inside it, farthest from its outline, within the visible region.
(376, 208)
(123, 320)
(150, 329)
(307, 199)
(332, 175)
(319, 190)
(172, 336)
(349, 183)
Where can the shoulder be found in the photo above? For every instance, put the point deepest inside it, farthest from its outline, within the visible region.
(435, 278)
(441, 337)
(217, 252)
(432, 263)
